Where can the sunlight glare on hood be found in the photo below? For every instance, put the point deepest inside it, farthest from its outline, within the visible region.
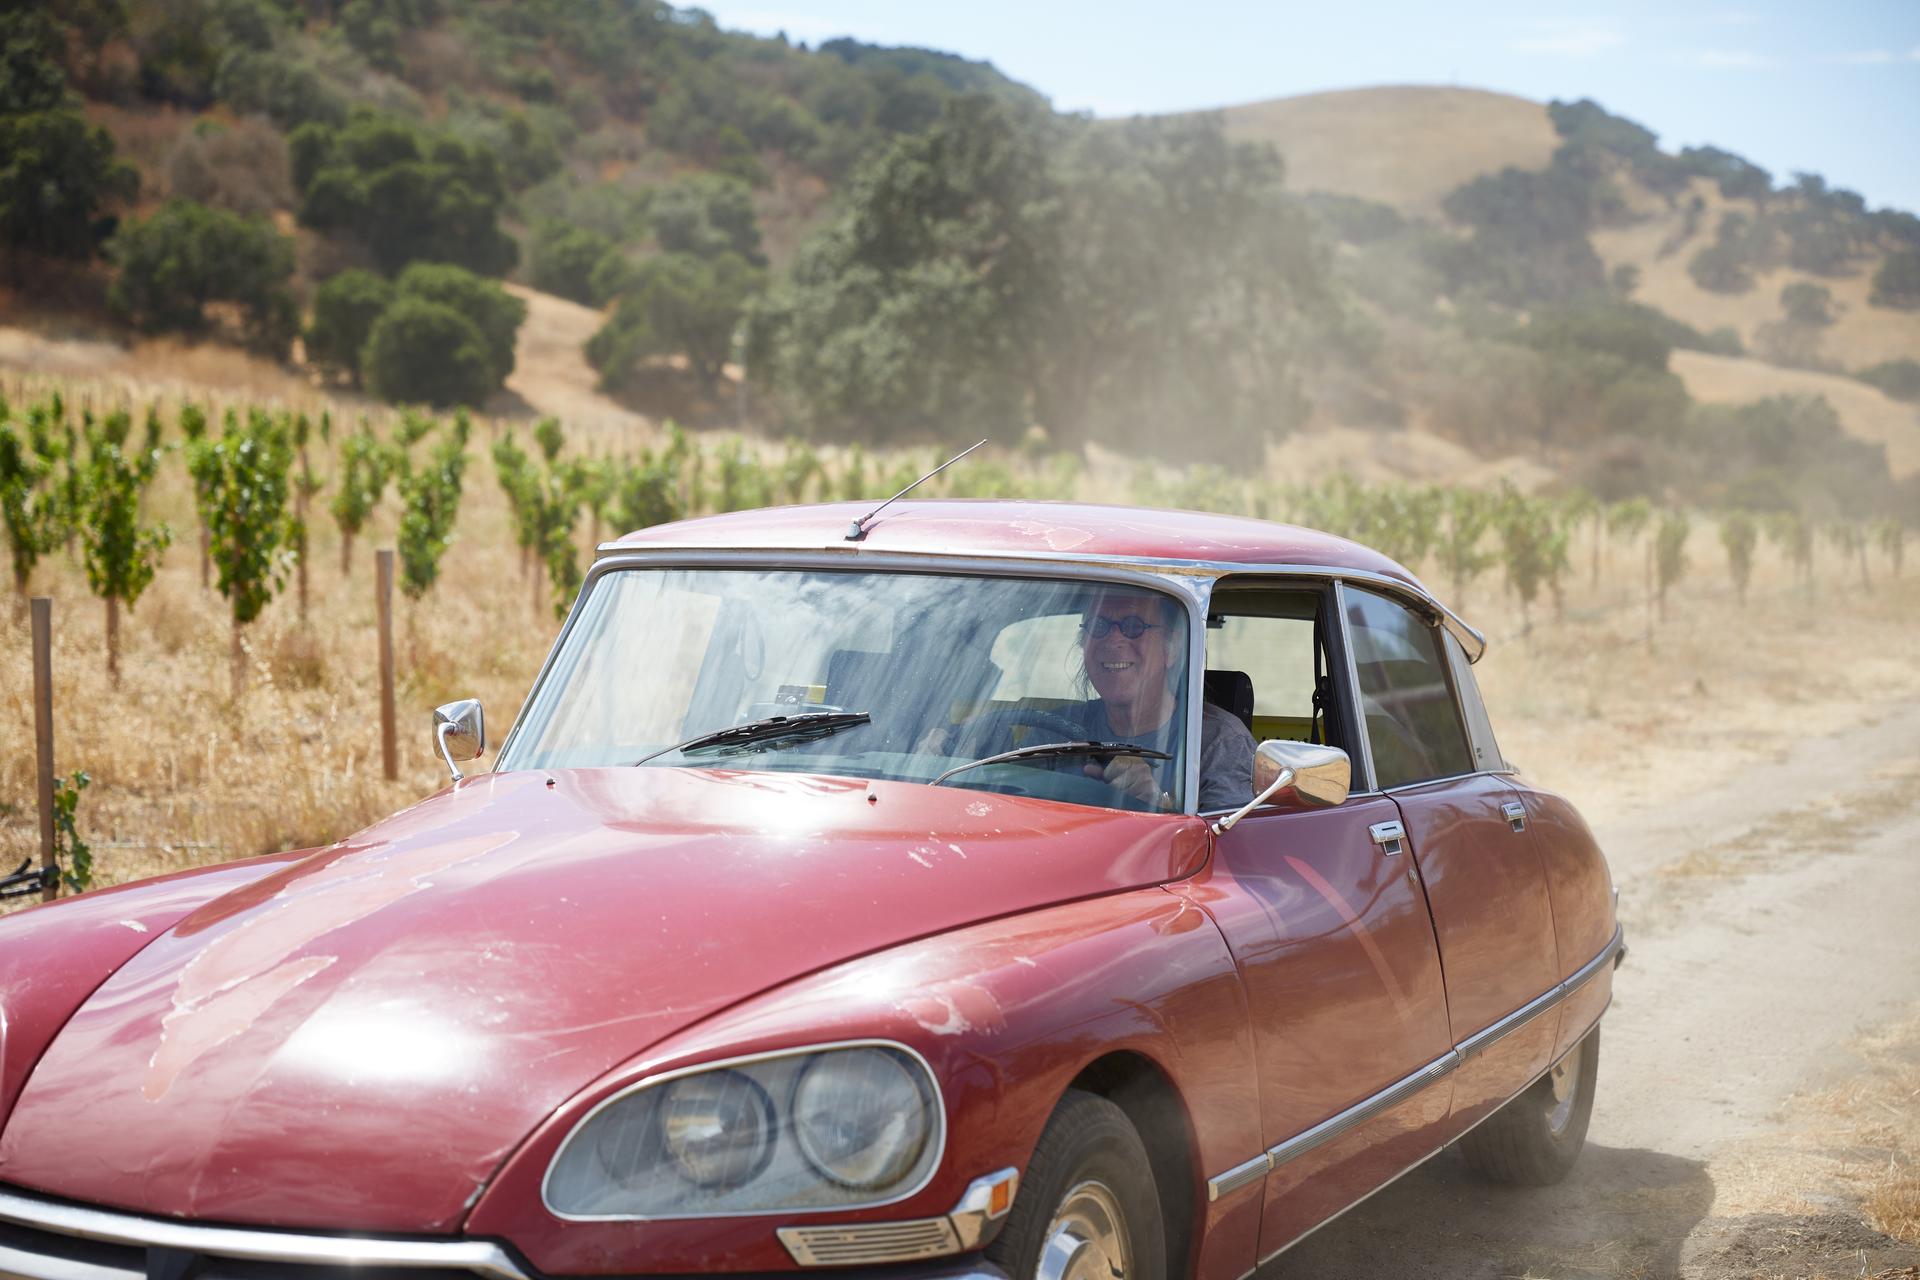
(389, 1045)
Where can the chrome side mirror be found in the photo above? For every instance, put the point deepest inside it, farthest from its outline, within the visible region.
(460, 731)
(1320, 776)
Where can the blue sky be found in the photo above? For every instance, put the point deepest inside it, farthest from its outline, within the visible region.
(1833, 89)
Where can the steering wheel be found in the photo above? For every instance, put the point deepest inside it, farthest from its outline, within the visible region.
(997, 726)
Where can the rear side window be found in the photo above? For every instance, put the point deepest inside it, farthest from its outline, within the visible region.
(1413, 722)
(1486, 752)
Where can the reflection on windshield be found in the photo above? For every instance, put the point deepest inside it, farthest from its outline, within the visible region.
(950, 669)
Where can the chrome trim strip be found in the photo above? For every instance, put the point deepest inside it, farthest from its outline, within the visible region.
(938, 1107)
(1472, 640)
(1482, 1040)
(1241, 1175)
(1422, 1160)
(1400, 1090)
(1586, 971)
(1394, 1094)
(235, 1242)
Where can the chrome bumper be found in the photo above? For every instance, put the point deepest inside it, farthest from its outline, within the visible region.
(48, 1240)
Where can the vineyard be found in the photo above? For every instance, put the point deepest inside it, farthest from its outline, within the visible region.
(211, 565)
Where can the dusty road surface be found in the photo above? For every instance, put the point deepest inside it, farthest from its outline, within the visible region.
(1771, 923)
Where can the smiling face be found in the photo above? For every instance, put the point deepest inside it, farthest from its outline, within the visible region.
(1130, 675)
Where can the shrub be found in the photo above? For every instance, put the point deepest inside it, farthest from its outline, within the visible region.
(1897, 378)
(564, 259)
(427, 352)
(1720, 268)
(289, 91)
(406, 194)
(679, 305)
(1897, 282)
(345, 310)
(241, 483)
(242, 167)
(496, 313)
(186, 256)
(1807, 304)
(1634, 333)
(1736, 176)
(707, 215)
(429, 502)
(56, 170)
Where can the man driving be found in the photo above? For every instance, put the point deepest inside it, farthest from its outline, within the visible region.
(1129, 647)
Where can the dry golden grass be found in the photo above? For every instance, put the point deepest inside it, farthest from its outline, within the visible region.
(1403, 145)
(1861, 334)
(1858, 1140)
(551, 372)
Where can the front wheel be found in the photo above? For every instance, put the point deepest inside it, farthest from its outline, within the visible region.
(1534, 1139)
(1088, 1208)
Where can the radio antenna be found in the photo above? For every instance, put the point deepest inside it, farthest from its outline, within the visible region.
(858, 529)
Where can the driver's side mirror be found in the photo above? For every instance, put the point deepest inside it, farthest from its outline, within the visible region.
(460, 731)
(1319, 776)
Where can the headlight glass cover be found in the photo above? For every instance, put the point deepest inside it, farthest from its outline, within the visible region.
(826, 1128)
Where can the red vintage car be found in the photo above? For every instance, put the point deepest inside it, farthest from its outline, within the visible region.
(903, 892)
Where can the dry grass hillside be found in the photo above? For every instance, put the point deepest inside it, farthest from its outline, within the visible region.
(1860, 335)
(1408, 146)
(1403, 145)
(551, 374)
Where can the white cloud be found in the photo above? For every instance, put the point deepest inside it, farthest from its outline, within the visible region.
(1567, 37)
(1864, 57)
(1735, 60)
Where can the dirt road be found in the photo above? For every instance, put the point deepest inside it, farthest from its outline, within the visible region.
(1770, 923)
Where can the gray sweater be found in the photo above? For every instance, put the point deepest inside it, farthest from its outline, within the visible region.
(1226, 752)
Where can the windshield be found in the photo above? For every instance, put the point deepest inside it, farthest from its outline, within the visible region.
(950, 669)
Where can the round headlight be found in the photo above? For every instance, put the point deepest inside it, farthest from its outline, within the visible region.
(861, 1117)
(718, 1129)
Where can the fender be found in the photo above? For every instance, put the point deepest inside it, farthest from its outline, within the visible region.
(1007, 1014)
(1580, 886)
(52, 957)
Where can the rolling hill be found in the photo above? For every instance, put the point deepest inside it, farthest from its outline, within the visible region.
(1402, 145)
(1409, 146)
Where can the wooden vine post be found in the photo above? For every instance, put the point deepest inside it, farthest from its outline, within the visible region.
(42, 621)
(383, 605)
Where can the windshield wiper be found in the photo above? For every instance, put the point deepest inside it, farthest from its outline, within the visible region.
(1041, 750)
(807, 724)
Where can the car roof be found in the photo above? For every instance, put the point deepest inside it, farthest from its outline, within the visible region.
(1051, 530)
(1193, 541)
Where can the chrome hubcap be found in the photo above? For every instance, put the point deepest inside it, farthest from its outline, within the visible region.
(1087, 1239)
(1565, 1080)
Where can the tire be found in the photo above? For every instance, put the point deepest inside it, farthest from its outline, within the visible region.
(1088, 1206)
(1534, 1139)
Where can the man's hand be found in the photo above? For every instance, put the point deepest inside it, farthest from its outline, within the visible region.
(1132, 775)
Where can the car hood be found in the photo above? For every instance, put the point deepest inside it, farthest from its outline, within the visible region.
(357, 1041)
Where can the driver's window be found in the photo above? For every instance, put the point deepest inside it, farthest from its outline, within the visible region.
(1263, 661)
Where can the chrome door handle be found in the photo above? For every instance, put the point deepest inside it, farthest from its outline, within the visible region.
(1516, 814)
(1388, 835)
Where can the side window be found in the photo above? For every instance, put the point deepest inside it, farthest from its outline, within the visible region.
(1486, 752)
(1413, 723)
(1260, 661)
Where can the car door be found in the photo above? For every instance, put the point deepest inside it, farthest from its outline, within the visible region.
(1465, 826)
(1330, 930)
